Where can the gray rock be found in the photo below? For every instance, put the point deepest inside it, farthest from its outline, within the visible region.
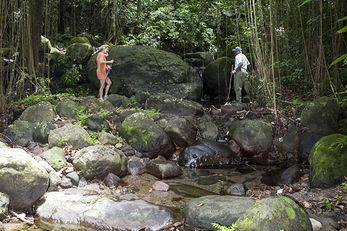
(55, 157)
(94, 123)
(236, 189)
(107, 138)
(160, 186)
(22, 178)
(208, 154)
(316, 225)
(271, 214)
(289, 143)
(136, 166)
(152, 70)
(208, 130)
(119, 100)
(97, 161)
(111, 180)
(66, 182)
(20, 133)
(73, 176)
(66, 108)
(287, 176)
(328, 161)
(253, 136)
(181, 131)
(85, 210)
(163, 169)
(4, 202)
(54, 181)
(307, 141)
(166, 103)
(225, 210)
(69, 134)
(42, 111)
(146, 136)
(41, 132)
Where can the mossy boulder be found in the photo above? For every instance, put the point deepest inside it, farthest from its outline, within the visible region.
(198, 58)
(22, 178)
(79, 40)
(55, 157)
(98, 161)
(69, 134)
(42, 111)
(280, 213)
(328, 161)
(253, 136)
(146, 69)
(146, 136)
(217, 76)
(119, 100)
(67, 108)
(79, 52)
(181, 131)
(169, 104)
(20, 133)
(321, 116)
(225, 210)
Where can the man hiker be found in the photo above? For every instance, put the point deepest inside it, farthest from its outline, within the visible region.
(240, 73)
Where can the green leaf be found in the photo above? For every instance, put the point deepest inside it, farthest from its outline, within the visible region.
(344, 29)
(339, 59)
(342, 19)
(305, 2)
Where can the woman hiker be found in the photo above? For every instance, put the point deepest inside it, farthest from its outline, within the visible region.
(102, 70)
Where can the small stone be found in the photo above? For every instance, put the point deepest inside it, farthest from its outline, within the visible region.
(73, 176)
(160, 186)
(316, 225)
(119, 145)
(111, 180)
(66, 182)
(82, 183)
(236, 189)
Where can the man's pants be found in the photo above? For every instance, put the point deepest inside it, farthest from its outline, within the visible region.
(239, 83)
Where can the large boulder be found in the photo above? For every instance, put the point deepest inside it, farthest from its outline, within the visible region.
(42, 111)
(69, 134)
(41, 132)
(253, 136)
(181, 131)
(67, 108)
(146, 69)
(170, 104)
(22, 178)
(307, 141)
(146, 136)
(328, 161)
(225, 210)
(271, 214)
(217, 77)
(81, 209)
(208, 154)
(55, 157)
(98, 161)
(79, 52)
(321, 116)
(20, 133)
(198, 59)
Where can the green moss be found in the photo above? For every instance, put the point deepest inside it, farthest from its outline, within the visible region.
(79, 40)
(290, 212)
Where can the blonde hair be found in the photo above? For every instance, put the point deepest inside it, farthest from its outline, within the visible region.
(103, 46)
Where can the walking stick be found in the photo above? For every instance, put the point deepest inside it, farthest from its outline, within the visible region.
(231, 77)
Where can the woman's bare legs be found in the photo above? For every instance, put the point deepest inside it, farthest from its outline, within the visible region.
(102, 86)
(108, 85)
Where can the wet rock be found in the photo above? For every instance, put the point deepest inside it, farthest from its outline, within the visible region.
(160, 186)
(168, 104)
(111, 180)
(99, 212)
(270, 214)
(287, 176)
(321, 116)
(42, 111)
(236, 189)
(66, 108)
(225, 210)
(186, 190)
(55, 157)
(69, 134)
(97, 161)
(208, 154)
(163, 169)
(253, 136)
(146, 136)
(4, 202)
(328, 161)
(20, 133)
(136, 166)
(181, 131)
(22, 178)
(307, 141)
(234, 147)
